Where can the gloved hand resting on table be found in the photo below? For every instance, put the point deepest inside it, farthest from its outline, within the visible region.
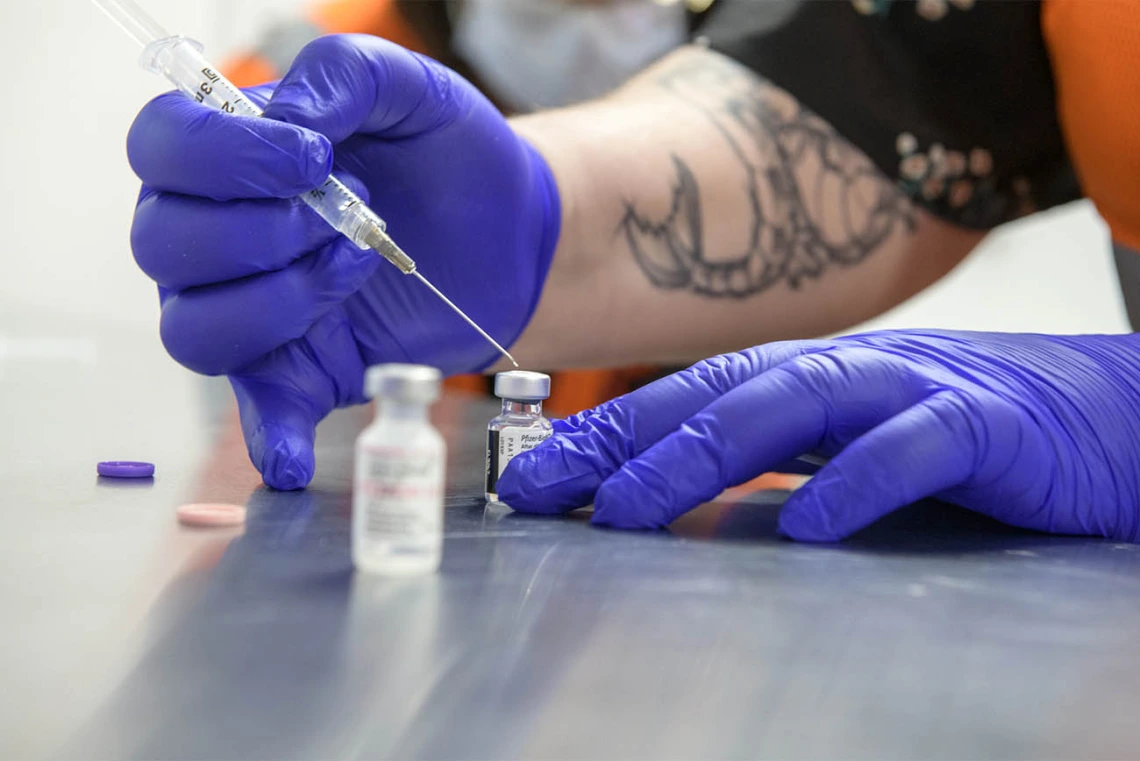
(256, 286)
(1041, 432)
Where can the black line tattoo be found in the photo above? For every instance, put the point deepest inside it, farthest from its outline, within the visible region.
(815, 199)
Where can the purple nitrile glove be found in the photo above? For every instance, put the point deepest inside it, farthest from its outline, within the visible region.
(256, 286)
(1041, 432)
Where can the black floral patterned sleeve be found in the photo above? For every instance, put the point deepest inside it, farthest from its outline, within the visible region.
(953, 98)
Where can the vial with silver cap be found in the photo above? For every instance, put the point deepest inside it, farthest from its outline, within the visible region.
(520, 427)
(397, 501)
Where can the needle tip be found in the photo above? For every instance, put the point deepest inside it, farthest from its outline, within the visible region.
(462, 314)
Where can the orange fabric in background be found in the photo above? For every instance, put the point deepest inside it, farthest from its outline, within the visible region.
(1094, 46)
(378, 17)
(249, 70)
(572, 391)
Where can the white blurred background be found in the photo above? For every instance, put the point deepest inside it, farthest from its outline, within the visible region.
(72, 86)
(74, 309)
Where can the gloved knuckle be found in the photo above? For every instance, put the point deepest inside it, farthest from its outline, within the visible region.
(713, 449)
(440, 78)
(328, 47)
(963, 414)
(999, 430)
(156, 251)
(183, 339)
(355, 54)
(143, 245)
(260, 94)
(438, 106)
(174, 337)
(201, 126)
(156, 113)
(766, 356)
(813, 372)
(140, 145)
(723, 372)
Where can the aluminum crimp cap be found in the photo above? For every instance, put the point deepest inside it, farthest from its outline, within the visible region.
(522, 386)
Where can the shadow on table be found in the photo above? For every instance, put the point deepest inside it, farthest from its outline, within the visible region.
(239, 654)
(279, 650)
(929, 526)
(925, 527)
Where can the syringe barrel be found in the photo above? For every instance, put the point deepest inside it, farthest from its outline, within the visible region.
(180, 60)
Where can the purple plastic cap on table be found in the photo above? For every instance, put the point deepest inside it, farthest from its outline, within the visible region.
(126, 469)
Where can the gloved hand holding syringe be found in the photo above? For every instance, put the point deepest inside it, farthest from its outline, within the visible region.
(180, 60)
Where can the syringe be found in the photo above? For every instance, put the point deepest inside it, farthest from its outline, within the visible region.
(180, 60)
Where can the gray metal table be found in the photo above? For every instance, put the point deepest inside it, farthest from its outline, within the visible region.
(934, 634)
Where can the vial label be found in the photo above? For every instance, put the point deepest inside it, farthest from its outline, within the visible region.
(401, 494)
(507, 443)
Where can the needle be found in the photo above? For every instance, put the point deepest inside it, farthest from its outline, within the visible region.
(467, 319)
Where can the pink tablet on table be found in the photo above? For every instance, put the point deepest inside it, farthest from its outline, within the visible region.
(211, 515)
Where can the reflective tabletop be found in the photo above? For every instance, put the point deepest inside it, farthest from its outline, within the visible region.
(933, 634)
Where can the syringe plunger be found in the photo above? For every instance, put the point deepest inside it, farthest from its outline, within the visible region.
(136, 22)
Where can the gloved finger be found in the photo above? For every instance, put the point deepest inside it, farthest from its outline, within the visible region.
(280, 429)
(565, 471)
(344, 84)
(920, 452)
(574, 422)
(260, 94)
(181, 146)
(185, 241)
(283, 396)
(752, 429)
(221, 328)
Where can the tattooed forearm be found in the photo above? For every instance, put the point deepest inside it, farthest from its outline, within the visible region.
(815, 200)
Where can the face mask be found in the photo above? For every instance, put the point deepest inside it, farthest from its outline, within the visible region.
(548, 53)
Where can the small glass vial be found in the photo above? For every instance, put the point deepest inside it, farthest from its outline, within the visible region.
(397, 498)
(521, 426)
